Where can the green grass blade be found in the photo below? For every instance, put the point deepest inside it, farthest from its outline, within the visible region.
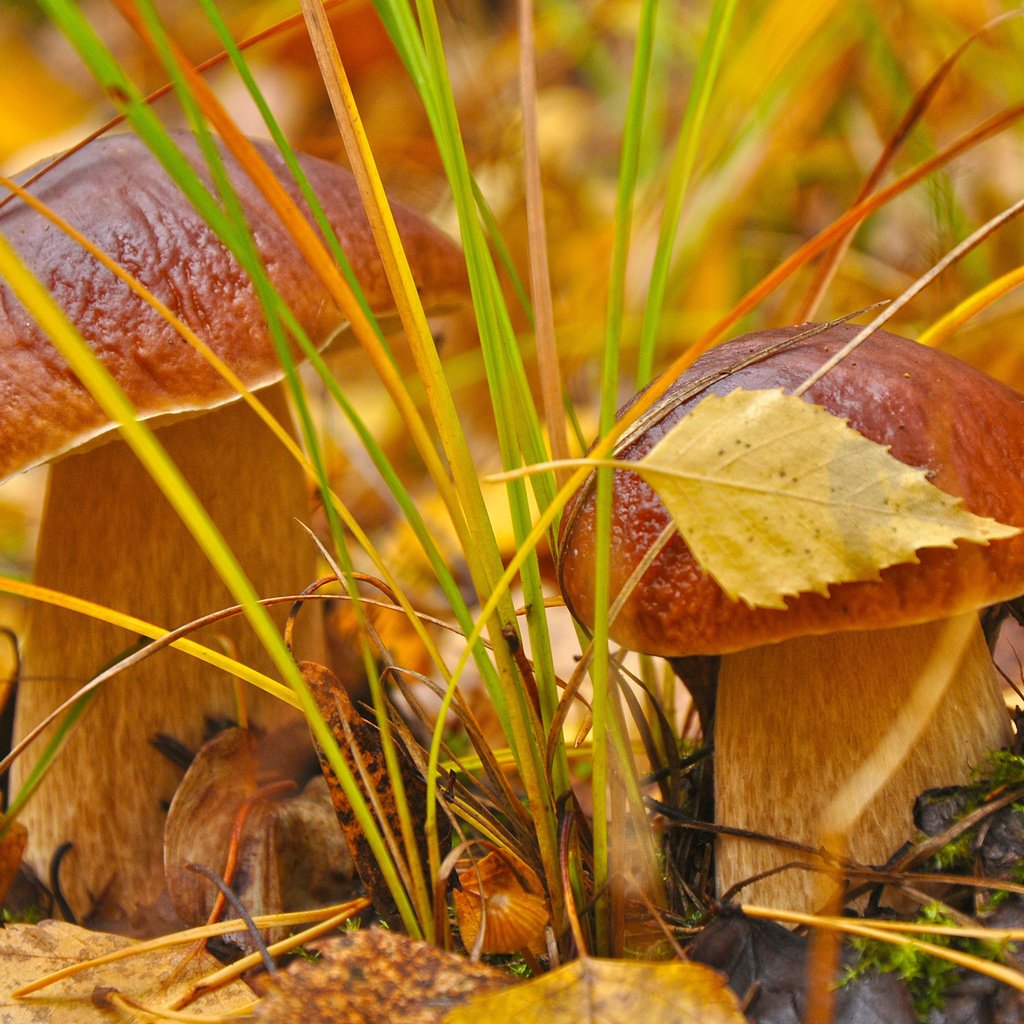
(705, 76)
(599, 672)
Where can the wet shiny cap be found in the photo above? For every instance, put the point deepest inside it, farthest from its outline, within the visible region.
(116, 194)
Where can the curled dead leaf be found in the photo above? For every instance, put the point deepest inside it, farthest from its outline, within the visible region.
(12, 846)
(359, 742)
(290, 851)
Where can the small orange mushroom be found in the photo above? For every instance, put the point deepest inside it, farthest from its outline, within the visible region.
(504, 896)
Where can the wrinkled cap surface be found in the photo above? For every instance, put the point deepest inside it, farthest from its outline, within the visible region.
(936, 413)
(116, 194)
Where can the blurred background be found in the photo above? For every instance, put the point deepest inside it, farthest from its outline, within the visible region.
(809, 96)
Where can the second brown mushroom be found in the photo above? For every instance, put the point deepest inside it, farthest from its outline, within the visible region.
(806, 694)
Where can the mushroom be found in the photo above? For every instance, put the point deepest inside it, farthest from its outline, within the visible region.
(107, 533)
(804, 694)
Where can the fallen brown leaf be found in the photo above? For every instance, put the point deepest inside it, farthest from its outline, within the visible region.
(359, 741)
(12, 846)
(516, 905)
(291, 854)
(375, 975)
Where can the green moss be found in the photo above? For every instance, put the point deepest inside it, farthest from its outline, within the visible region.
(518, 966)
(929, 978)
(30, 915)
(1001, 771)
(956, 855)
(303, 953)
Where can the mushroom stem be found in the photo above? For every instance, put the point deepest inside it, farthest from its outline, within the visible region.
(109, 535)
(796, 719)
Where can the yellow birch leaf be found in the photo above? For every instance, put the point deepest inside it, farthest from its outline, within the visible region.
(775, 497)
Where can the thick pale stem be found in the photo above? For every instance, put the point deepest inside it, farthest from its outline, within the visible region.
(796, 720)
(110, 536)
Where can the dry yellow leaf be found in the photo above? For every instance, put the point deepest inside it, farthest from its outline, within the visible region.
(28, 952)
(612, 992)
(776, 497)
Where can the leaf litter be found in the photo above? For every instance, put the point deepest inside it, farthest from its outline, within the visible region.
(375, 975)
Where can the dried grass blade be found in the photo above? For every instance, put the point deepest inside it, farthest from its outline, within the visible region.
(883, 932)
(970, 307)
(540, 278)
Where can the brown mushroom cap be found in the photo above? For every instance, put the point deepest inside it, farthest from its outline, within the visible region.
(117, 195)
(934, 411)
